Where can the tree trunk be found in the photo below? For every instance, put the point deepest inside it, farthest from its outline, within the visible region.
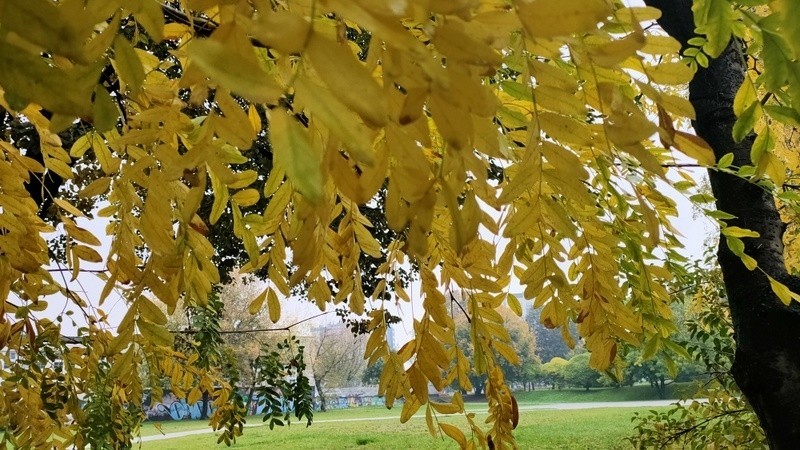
(323, 405)
(204, 410)
(767, 361)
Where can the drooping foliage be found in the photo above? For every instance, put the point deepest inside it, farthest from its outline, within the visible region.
(575, 105)
(724, 419)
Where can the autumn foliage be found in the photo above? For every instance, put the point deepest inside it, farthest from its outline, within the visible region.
(504, 140)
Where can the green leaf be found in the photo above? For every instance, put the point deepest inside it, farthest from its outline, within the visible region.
(714, 19)
(784, 114)
(725, 161)
(735, 245)
(746, 121)
(763, 144)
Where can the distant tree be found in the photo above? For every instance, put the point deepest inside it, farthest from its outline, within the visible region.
(337, 358)
(577, 372)
(550, 342)
(522, 340)
(372, 374)
(553, 372)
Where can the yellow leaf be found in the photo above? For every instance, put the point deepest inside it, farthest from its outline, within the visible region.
(782, 291)
(156, 334)
(274, 306)
(356, 302)
(60, 167)
(67, 206)
(123, 362)
(337, 118)
(243, 179)
(255, 306)
(128, 65)
(738, 232)
(80, 145)
(429, 421)
(557, 100)
(341, 71)
(108, 162)
(228, 58)
(80, 234)
(513, 303)
(670, 73)
(296, 154)
(150, 311)
(151, 18)
(660, 45)
(446, 408)
(565, 129)
(97, 187)
(451, 40)
(246, 197)
(694, 147)
(52, 28)
(236, 128)
(255, 119)
(410, 407)
(105, 112)
(156, 221)
(455, 124)
(454, 433)
(221, 196)
(616, 51)
(550, 18)
(282, 30)
(194, 396)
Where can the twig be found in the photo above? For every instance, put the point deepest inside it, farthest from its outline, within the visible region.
(256, 330)
(677, 435)
(453, 300)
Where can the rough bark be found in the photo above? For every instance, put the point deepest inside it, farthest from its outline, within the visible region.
(767, 360)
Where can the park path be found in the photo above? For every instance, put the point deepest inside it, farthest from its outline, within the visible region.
(522, 408)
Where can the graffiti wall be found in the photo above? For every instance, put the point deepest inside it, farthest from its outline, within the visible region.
(172, 408)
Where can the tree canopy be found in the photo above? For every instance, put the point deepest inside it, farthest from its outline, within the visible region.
(499, 141)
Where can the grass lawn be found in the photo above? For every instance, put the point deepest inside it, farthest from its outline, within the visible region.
(603, 428)
(537, 397)
(624, 394)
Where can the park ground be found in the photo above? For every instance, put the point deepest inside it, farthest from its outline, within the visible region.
(583, 426)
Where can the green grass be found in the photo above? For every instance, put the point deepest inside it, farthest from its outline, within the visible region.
(538, 397)
(632, 393)
(602, 428)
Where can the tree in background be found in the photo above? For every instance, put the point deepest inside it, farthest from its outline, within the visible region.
(550, 343)
(372, 374)
(562, 117)
(553, 371)
(523, 341)
(577, 372)
(337, 359)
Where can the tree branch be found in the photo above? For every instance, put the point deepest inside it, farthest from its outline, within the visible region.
(256, 330)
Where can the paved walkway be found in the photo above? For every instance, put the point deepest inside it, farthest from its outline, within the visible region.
(522, 408)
